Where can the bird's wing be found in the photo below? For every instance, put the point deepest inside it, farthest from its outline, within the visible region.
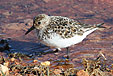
(67, 27)
(64, 26)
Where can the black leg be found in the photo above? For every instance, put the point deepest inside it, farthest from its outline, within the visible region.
(68, 52)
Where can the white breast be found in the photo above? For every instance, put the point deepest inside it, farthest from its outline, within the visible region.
(58, 42)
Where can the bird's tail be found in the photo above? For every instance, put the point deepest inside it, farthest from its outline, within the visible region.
(100, 25)
(93, 28)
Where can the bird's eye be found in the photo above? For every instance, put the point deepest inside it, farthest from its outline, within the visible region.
(39, 22)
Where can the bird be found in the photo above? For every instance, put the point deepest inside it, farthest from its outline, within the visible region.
(61, 32)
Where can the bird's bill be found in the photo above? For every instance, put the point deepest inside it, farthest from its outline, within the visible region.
(29, 30)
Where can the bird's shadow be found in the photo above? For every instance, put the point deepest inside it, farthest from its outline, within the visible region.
(28, 48)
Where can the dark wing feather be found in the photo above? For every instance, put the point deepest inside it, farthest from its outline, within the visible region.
(64, 26)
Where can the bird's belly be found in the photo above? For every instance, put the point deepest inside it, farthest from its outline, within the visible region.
(58, 42)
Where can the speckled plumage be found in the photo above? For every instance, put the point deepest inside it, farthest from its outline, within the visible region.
(61, 32)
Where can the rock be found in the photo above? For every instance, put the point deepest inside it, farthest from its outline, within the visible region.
(112, 72)
(35, 61)
(46, 1)
(57, 71)
(4, 45)
(12, 26)
(4, 70)
(7, 13)
(46, 63)
(82, 73)
(12, 59)
(2, 35)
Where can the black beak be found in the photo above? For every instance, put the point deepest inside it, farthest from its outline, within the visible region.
(29, 30)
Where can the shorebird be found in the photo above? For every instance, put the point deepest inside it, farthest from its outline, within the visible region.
(61, 32)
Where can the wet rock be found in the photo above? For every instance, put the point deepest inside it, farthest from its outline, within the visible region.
(1, 7)
(88, 15)
(109, 20)
(2, 16)
(46, 1)
(7, 13)
(13, 26)
(4, 45)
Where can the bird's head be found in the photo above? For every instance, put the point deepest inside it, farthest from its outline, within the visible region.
(39, 22)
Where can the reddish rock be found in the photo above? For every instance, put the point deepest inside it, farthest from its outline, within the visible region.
(82, 73)
(57, 71)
